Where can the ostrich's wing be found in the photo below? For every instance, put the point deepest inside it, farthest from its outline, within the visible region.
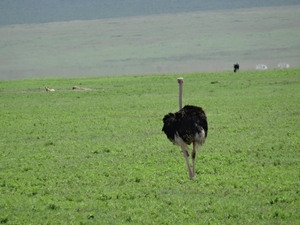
(169, 126)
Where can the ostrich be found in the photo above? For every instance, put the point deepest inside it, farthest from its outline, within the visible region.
(236, 67)
(185, 127)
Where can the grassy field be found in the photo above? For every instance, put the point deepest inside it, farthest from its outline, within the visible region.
(167, 43)
(98, 156)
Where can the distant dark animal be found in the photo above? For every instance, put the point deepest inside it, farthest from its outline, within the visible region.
(236, 67)
(185, 127)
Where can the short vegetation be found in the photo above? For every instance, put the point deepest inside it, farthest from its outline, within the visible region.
(97, 155)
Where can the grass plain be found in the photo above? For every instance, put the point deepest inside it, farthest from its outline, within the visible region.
(167, 43)
(98, 156)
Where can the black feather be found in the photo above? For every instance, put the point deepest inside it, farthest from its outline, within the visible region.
(188, 123)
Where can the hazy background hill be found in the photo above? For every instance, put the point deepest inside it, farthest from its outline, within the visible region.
(118, 37)
(44, 11)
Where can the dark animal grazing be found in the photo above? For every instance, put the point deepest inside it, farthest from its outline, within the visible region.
(185, 127)
(236, 67)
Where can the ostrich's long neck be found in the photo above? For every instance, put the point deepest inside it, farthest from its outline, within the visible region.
(180, 82)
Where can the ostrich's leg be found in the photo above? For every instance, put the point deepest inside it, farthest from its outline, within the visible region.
(194, 157)
(185, 154)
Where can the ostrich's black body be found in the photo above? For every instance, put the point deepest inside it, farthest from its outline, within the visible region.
(188, 125)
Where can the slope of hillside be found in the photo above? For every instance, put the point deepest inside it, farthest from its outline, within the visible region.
(43, 11)
(155, 44)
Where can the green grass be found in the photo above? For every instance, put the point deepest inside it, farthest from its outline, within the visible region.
(98, 156)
